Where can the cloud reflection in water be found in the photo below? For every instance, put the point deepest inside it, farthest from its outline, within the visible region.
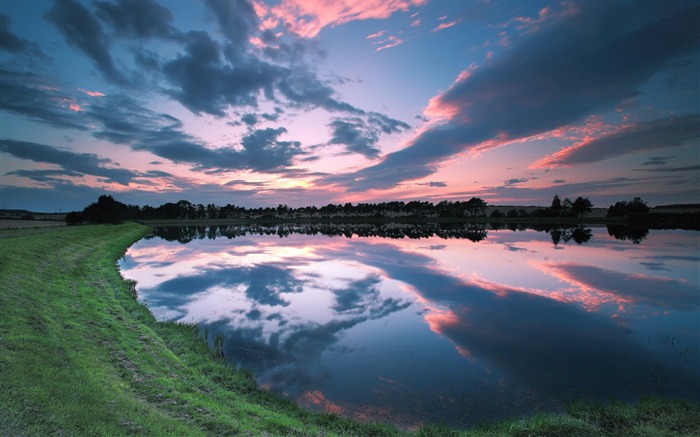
(392, 329)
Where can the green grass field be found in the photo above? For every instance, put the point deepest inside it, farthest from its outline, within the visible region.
(80, 356)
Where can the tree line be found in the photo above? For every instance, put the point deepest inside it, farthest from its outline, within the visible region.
(558, 209)
(109, 210)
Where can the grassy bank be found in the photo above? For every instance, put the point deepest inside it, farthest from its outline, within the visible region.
(79, 356)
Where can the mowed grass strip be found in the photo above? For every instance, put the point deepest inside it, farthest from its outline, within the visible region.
(80, 356)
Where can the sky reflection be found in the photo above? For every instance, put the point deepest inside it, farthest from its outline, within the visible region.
(439, 329)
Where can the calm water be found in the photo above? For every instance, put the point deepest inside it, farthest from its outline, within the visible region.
(458, 326)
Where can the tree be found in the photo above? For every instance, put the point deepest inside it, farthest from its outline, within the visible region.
(556, 207)
(74, 218)
(625, 209)
(637, 206)
(105, 210)
(476, 207)
(566, 210)
(581, 206)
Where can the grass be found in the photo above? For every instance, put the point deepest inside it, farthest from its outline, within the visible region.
(80, 356)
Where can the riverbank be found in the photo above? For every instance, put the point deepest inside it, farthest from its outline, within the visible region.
(80, 356)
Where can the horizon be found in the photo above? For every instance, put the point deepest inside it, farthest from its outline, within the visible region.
(258, 103)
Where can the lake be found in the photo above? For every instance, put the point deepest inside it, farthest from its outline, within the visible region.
(415, 324)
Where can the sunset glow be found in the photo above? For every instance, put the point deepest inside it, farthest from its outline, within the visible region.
(267, 102)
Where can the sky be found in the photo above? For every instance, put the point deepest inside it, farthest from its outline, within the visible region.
(309, 102)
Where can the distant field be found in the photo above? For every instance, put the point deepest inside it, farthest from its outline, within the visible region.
(26, 224)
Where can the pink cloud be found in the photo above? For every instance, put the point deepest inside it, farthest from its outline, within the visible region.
(544, 15)
(257, 42)
(92, 93)
(317, 399)
(443, 26)
(390, 42)
(640, 137)
(307, 18)
(376, 35)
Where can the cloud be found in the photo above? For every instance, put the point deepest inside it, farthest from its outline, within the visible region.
(356, 136)
(261, 150)
(244, 182)
(359, 296)
(249, 119)
(675, 169)
(555, 77)
(11, 42)
(641, 289)
(652, 135)
(82, 31)
(204, 83)
(307, 18)
(264, 284)
(389, 42)
(237, 20)
(434, 184)
(137, 18)
(34, 97)
(270, 117)
(658, 160)
(545, 15)
(493, 322)
(123, 120)
(74, 164)
(304, 89)
(513, 182)
(443, 26)
(360, 134)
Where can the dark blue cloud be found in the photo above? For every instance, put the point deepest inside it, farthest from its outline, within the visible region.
(583, 64)
(358, 296)
(73, 163)
(438, 184)
(652, 135)
(137, 18)
(675, 169)
(355, 135)
(237, 20)
(512, 330)
(360, 134)
(654, 291)
(249, 119)
(658, 160)
(11, 42)
(36, 98)
(264, 284)
(204, 82)
(82, 31)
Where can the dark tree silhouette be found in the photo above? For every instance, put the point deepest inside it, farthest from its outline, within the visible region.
(636, 207)
(581, 205)
(556, 207)
(74, 218)
(106, 210)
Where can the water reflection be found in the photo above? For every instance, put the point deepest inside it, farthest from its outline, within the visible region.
(418, 323)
